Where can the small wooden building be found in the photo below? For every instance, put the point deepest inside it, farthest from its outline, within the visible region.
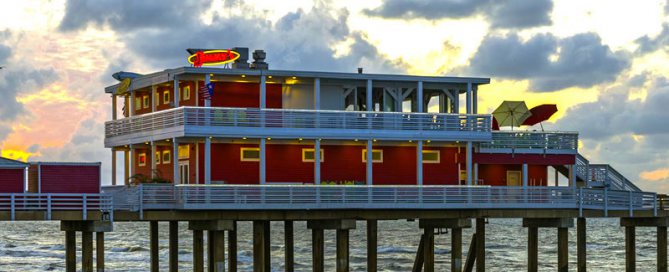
(64, 177)
(12, 176)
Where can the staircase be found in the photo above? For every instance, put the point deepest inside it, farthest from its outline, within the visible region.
(599, 176)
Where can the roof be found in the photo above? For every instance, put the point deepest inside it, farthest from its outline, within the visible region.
(9, 163)
(143, 81)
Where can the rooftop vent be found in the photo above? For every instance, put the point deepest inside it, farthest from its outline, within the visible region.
(259, 60)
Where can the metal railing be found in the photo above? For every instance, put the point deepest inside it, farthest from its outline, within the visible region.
(297, 119)
(287, 197)
(539, 140)
(582, 168)
(607, 176)
(48, 203)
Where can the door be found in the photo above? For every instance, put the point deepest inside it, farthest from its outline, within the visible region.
(513, 178)
(184, 172)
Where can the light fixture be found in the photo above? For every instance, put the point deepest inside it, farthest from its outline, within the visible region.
(299, 139)
(428, 141)
(374, 140)
(211, 137)
(294, 77)
(211, 74)
(269, 76)
(243, 75)
(356, 140)
(410, 141)
(243, 138)
(268, 138)
(146, 143)
(167, 140)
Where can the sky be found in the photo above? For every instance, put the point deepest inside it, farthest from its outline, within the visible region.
(602, 62)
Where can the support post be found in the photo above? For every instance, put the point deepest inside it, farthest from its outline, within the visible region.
(342, 250)
(174, 246)
(532, 249)
(456, 249)
(261, 249)
(317, 162)
(126, 167)
(289, 246)
(371, 245)
(219, 251)
(630, 249)
(419, 163)
(428, 249)
(198, 251)
(370, 104)
(563, 250)
(318, 248)
(152, 157)
(572, 175)
(469, 98)
(419, 97)
(87, 251)
(263, 92)
(469, 163)
(232, 248)
(175, 84)
(369, 163)
(114, 107)
(263, 161)
(662, 249)
(480, 244)
(476, 174)
(70, 251)
(100, 251)
(317, 93)
(207, 80)
(175, 161)
(525, 176)
(580, 244)
(475, 106)
(153, 233)
(207, 160)
(113, 166)
(211, 248)
(420, 256)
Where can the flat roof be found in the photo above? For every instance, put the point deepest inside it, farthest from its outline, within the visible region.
(168, 75)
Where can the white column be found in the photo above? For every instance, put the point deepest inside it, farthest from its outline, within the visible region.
(114, 110)
(469, 98)
(419, 163)
(476, 174)
(263, 92)
(154, 98)
(419, 97)
(369, 163)
(175, 161)
(207, 79)
(317, 93)
(176, 92)
(525, 175)
(370, 104)
(113, 166)
(469, 163)
(456, 101)
(263, 162)
(475, 99)
(317, 162)
(207, 160)
(152, 157)
(572, 175)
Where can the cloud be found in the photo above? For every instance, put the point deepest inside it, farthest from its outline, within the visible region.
(655, 175)
(548, 62)
(647, 44)
(501, 14)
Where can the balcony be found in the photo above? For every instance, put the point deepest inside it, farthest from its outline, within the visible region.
(293, 123)
(532, 142)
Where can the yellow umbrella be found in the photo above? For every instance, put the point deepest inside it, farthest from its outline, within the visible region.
(511, 113)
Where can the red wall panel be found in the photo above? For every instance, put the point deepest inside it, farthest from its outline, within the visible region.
(536, 159)
(343, 163)
(495, 174)
(226, 165)
(446, 171)
(398, 167)
(11, 180)
(70, 178)
(245, 95)
(284, 164)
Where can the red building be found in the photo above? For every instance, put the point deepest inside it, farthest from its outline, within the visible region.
(64, 177)
(12, 176)
(264, 126)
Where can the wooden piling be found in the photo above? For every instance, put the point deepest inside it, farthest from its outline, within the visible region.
(428, 250)
(86, 251)
(630, 249)
(580, 244)
(563, 249)
(532, 249)
(289, 247)
(480, 244)
(342, 250)
(456, 249)
(471, 255)
(174, 246)
(261, 249)
(219, 251)
(211, 247)
(318, 248)
(662, 249)
(232, 248)
(100, 251)
(153, 233)
(70, 251)
(372, 245)
(420, 256)
(198, 251)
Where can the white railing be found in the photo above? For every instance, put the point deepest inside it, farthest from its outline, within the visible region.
(291, 197)
(298, 119)
(607, 176)
(18, 202)
(582, 168)
(539, 140)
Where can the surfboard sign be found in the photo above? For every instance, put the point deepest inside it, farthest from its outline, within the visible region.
(212, 57)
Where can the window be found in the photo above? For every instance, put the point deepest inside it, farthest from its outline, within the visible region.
(377, 155)
(157, 157)
(142, 159)
(156, 97)
(431, 156)
(187, 92)
(167, 157)
(250, 154)
(146, 101)
(166, 97)
(308, 155)
(184, 152)
(138, 103)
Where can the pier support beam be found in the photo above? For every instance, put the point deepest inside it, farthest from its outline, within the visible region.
(342, 226)
(70, 251)
(662, 249)
(428, 249)
(630, 223)
(100, 251)
(198, 251)
(480, 244)
(86, 251)
(174, 246)
(153, 233)
(261, 246)
(372, 245)
(562, 225)
(456, 226)
(216, 254)
(232, 248)
(580, 244)
(630, 248)
(289, 246)
(86, 228)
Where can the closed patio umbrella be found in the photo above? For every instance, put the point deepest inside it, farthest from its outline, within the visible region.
(539, 114)
(511, 113)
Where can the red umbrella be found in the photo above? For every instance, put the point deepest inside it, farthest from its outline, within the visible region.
(540, 113)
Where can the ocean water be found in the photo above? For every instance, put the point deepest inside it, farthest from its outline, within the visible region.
(39, 246)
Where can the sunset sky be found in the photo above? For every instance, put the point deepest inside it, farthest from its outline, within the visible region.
(602, 62)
